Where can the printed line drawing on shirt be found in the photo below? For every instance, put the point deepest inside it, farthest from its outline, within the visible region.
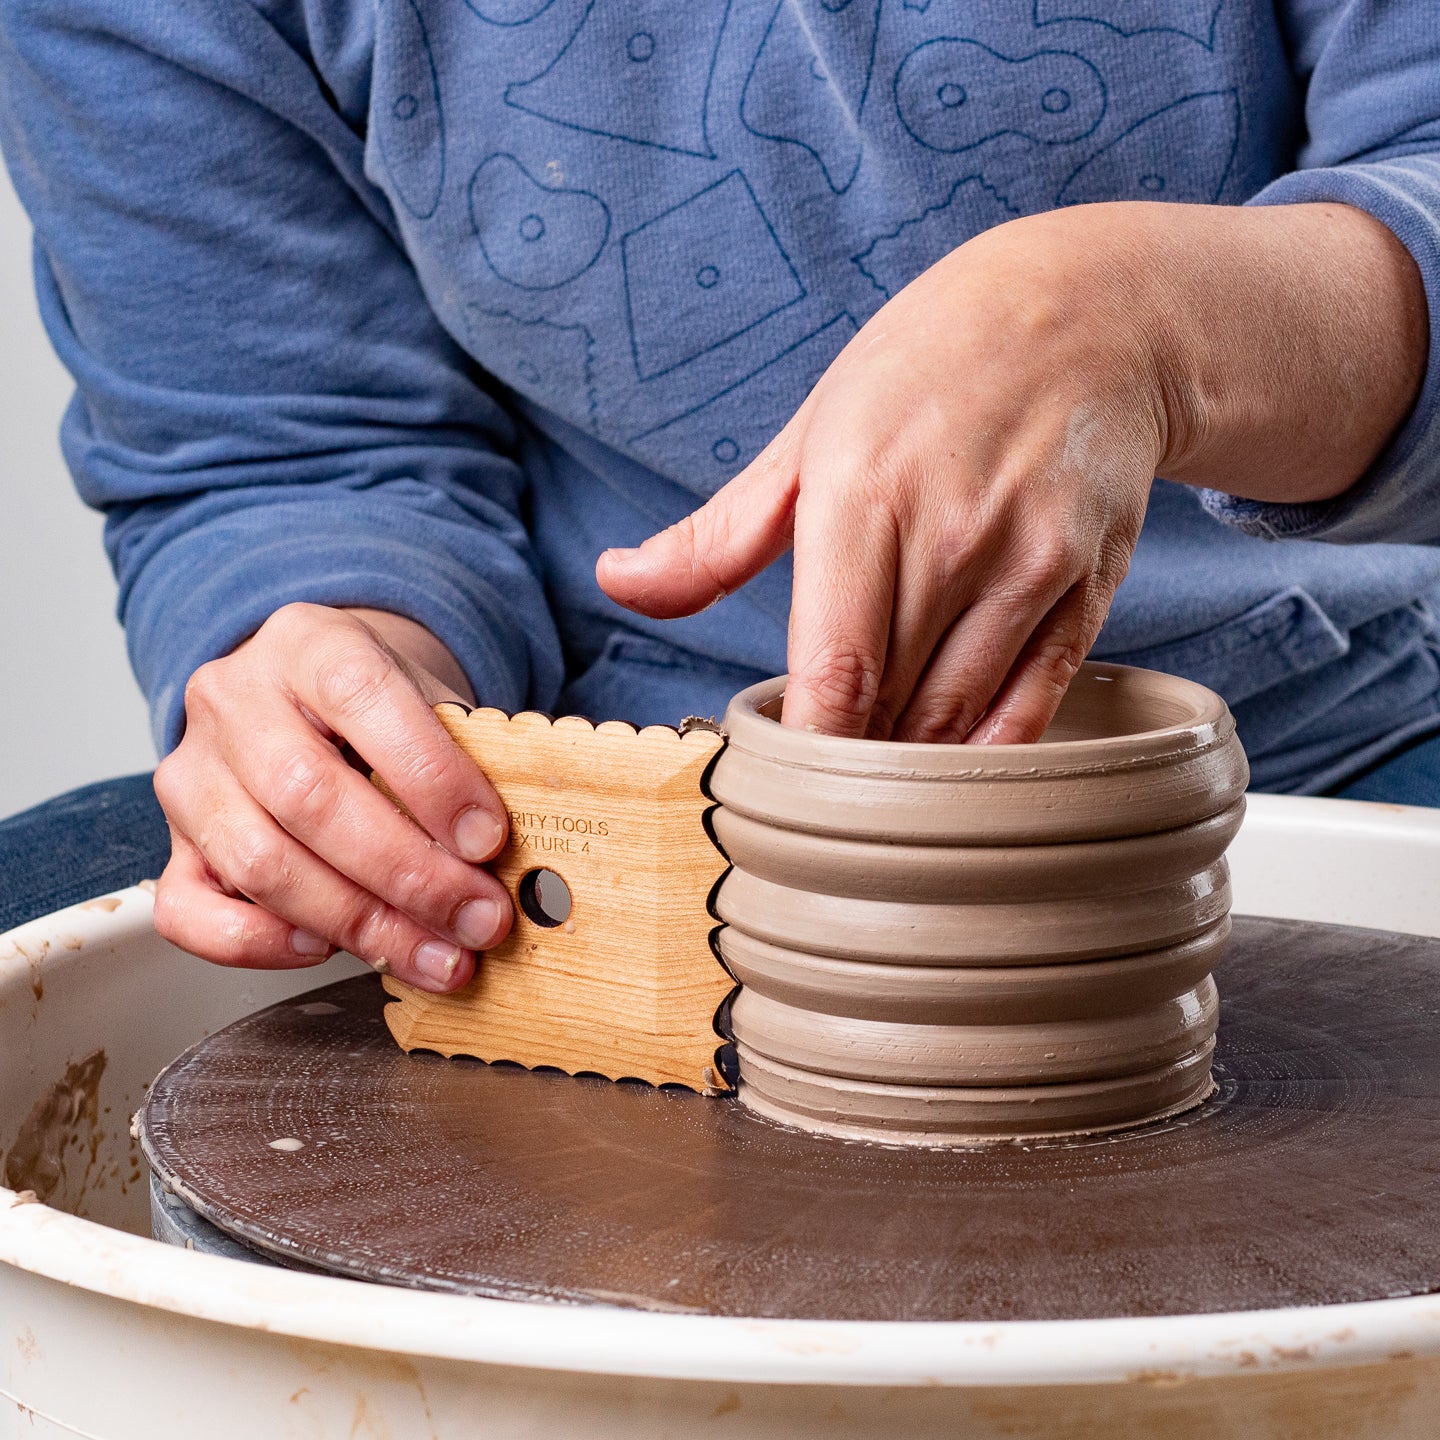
(551, 362)
(509, 12)
(405, 109)
(1142, 162)
(1195, 19)
(801, 92)
(756, 405)
(623, 74)
(954, 94)
(534, 236)
(892, 260)
(701, 273)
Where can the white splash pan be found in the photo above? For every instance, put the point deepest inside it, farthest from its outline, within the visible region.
(107, 1334)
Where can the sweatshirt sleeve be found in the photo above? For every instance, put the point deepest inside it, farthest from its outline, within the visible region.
(267, 408)
(1372, 74)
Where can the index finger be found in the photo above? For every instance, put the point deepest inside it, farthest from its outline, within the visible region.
(355, 686)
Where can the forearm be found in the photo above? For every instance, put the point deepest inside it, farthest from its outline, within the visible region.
(1290, 343)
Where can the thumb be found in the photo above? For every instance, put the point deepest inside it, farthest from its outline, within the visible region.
(714, 550)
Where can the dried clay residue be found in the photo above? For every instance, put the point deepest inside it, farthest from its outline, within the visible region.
(64, 1121)
(35, 960)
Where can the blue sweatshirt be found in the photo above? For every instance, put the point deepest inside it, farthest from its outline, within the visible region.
(420, 304)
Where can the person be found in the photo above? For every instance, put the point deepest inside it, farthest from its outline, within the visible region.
(849, 335)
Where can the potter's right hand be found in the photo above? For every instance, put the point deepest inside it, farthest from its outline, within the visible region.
(965, 485)
(282, 852)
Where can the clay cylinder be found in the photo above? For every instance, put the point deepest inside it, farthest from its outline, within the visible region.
(951, 944)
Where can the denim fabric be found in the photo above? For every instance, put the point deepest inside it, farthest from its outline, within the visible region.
(1410, 776)
(104, 837)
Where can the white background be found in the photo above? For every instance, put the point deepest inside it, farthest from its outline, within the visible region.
(70, 711)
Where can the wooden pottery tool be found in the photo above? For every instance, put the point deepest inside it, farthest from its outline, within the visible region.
(608, 968)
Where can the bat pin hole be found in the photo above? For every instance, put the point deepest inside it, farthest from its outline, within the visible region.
(545, 898)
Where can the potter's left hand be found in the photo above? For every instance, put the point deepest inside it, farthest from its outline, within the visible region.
(965, 485)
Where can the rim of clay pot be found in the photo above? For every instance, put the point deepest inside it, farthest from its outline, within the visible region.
(1191, 719)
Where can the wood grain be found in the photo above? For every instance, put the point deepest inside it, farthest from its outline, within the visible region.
(628, 985)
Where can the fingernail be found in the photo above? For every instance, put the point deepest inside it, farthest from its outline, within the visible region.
(477, 834)
(437, 961)
(621, 555)
(302, 942)
(476, 923)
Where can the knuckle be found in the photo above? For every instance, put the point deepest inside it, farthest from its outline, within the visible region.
(294, 621)
(167, 784)
(701, 535)
(412, 889)
(933, 725)
(686, 532)
(1053, 558)
(1058, 657)
(851, 461)
(235, 936)
(241, 936)
(946, 712)
(431, 769)
(955, 541)
(845, 680)
(254, 863)
(202, 689)
(878, 473)
(351, 676)
(370, 930)
(303, 790)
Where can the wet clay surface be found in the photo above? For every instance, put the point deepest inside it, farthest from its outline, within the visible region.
(868, 875)
(1313, 1176)
(1130, 752)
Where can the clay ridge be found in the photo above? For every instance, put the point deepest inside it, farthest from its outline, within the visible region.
(927, 956)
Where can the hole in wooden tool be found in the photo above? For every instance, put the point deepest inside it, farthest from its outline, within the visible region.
(545, 898)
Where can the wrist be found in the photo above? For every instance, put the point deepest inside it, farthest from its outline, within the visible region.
(1288, 342)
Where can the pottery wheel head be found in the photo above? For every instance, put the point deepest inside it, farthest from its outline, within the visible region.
(1309, 1178)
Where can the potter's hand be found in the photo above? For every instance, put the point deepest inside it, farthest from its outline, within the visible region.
(264, 808)
(963, 489)
(965, 485)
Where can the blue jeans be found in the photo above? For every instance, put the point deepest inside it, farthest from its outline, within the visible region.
(104, 837)
(110, 835)
(1407, 776)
